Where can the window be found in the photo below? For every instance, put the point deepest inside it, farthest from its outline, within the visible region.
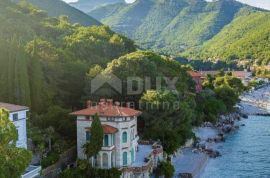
(105, 160)
(124, 137)
(106, 140)
(132, 155)
(15, 117)
(125, 159)
(87, 135)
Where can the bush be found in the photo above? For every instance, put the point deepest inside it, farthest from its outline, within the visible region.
(91, 172)
(51, 158)
(165, 169)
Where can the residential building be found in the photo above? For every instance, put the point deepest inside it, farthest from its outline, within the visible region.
(198, 79)
(18, 115)
(121, 148)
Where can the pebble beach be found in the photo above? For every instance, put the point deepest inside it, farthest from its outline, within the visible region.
(191, 160)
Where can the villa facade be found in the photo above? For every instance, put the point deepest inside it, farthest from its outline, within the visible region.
(198, 79)
(120, 144)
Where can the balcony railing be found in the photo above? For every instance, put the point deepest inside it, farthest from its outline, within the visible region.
(31, 171)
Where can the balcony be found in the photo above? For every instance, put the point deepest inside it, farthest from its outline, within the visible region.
(107, 148)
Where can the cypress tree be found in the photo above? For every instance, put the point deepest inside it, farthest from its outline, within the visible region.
(36, 81)
(92, 147)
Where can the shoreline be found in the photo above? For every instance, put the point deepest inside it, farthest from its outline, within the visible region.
(192, 160)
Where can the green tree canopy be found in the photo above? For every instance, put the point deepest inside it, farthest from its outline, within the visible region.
(227, 95)
(13, 160)
(167, 118)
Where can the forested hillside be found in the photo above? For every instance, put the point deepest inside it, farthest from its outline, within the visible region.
(247, 37)
(48, 64)
(44, 60)
(56, 8)
(174, 26)
(88, 5)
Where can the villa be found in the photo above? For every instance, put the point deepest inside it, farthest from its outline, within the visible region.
(198, 79)
(18, 115)
(121, 148)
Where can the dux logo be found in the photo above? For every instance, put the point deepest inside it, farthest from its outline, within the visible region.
(133, 85)
(110, 79)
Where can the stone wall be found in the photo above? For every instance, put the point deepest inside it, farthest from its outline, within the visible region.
(66, 158)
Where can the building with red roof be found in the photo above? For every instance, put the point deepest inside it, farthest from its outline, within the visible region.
(120, 143)
(198, 79)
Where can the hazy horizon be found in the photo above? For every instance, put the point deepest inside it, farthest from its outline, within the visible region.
(265, 4)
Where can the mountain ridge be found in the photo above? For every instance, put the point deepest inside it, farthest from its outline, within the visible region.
(173, 26)
(88, 5)
(57, 8)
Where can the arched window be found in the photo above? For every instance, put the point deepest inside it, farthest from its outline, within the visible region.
(125, 159)
(87, 133)
(124, 137)
(105, 160)
(98, 161)
(106, 140)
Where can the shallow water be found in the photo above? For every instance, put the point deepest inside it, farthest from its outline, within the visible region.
(245, 154)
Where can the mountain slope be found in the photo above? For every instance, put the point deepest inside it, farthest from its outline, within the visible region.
(56, 8)
(44, 60)
(174, 26)
(247, 37)
(88, 5)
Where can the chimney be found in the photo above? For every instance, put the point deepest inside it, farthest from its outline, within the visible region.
(110, 102)
(102, 101)
(130, 104)
(88, 104)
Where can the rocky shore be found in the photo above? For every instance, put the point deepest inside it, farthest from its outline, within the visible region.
(225, 125)
(191, 160)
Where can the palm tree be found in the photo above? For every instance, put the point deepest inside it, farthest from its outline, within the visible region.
(49, 133)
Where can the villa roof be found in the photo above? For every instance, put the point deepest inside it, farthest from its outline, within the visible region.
(13, 107)
(195, 74)
(107, 129)
(107, 109)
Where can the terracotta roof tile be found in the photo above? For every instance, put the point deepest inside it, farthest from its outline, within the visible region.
(107, 129)
(13, 107)
(107, 109)
(194, 74)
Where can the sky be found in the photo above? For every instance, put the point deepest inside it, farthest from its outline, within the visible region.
(258, 3)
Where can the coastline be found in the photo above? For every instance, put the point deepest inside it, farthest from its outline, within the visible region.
(191, 161)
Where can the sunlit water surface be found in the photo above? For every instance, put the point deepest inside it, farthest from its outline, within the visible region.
(245, 154)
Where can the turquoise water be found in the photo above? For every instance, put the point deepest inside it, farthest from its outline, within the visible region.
(245, 154)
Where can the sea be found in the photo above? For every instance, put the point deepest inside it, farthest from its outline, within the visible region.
(245, 153)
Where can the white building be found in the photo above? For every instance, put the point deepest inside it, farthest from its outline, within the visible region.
(18, 115)
(120, 145)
